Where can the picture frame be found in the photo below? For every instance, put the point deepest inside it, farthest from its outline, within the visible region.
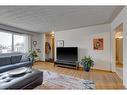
(98, 44)
(60, 43)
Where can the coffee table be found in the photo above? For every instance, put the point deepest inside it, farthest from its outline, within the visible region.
(26, 80)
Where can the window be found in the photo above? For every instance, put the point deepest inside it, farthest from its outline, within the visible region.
(5, 42)
(20, 43)
(10, 42)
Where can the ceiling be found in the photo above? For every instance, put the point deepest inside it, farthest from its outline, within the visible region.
(56, 18)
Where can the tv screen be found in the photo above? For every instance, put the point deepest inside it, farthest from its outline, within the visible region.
(67, 53)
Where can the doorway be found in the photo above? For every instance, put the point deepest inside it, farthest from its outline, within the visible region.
(49, 47)
(119, 50)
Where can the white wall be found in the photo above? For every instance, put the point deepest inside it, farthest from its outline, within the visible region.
(40, 38)
(121, 18)
(83, 39)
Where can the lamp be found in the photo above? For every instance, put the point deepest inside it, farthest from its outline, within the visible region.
(119, 35)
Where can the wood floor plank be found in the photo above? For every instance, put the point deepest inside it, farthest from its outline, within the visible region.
(102, 79)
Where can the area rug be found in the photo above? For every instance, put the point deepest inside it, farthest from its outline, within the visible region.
(52, 80)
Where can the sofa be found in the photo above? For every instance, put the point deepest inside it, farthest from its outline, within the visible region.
(13, 62)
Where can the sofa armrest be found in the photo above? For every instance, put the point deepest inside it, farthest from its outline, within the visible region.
(30, 59)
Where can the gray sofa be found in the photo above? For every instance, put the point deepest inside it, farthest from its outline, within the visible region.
(13, 62)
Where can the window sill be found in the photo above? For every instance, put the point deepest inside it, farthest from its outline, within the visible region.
(10, 53)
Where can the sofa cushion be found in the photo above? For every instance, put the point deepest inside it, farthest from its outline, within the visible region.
(16, 59)
(5, 61)
(24, 58)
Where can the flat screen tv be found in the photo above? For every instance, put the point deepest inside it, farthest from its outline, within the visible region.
(67, 53)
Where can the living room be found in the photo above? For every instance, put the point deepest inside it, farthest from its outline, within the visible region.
(85, 30)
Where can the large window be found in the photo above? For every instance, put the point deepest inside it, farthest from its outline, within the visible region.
(5, 42)
(10, 42)
(20, 43)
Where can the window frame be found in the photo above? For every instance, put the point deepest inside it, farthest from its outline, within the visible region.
(12, 42)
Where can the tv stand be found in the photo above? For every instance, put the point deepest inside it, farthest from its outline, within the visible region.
(66, 63)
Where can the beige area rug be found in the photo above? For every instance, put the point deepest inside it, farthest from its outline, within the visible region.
(52, 80)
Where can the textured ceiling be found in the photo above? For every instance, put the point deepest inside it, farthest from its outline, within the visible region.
(56, 18)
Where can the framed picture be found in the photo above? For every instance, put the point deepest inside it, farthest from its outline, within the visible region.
(60, 43)
(98, 44)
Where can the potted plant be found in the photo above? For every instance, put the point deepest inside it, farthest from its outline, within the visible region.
(33, 55)
(87, 63)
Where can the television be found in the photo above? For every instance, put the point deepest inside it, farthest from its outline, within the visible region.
(67, 53)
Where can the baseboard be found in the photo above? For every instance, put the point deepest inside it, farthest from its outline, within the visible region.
(81, 68)
(39, 61)
(102, 70)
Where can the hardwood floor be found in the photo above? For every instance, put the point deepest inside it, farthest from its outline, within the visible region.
(102, 79)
